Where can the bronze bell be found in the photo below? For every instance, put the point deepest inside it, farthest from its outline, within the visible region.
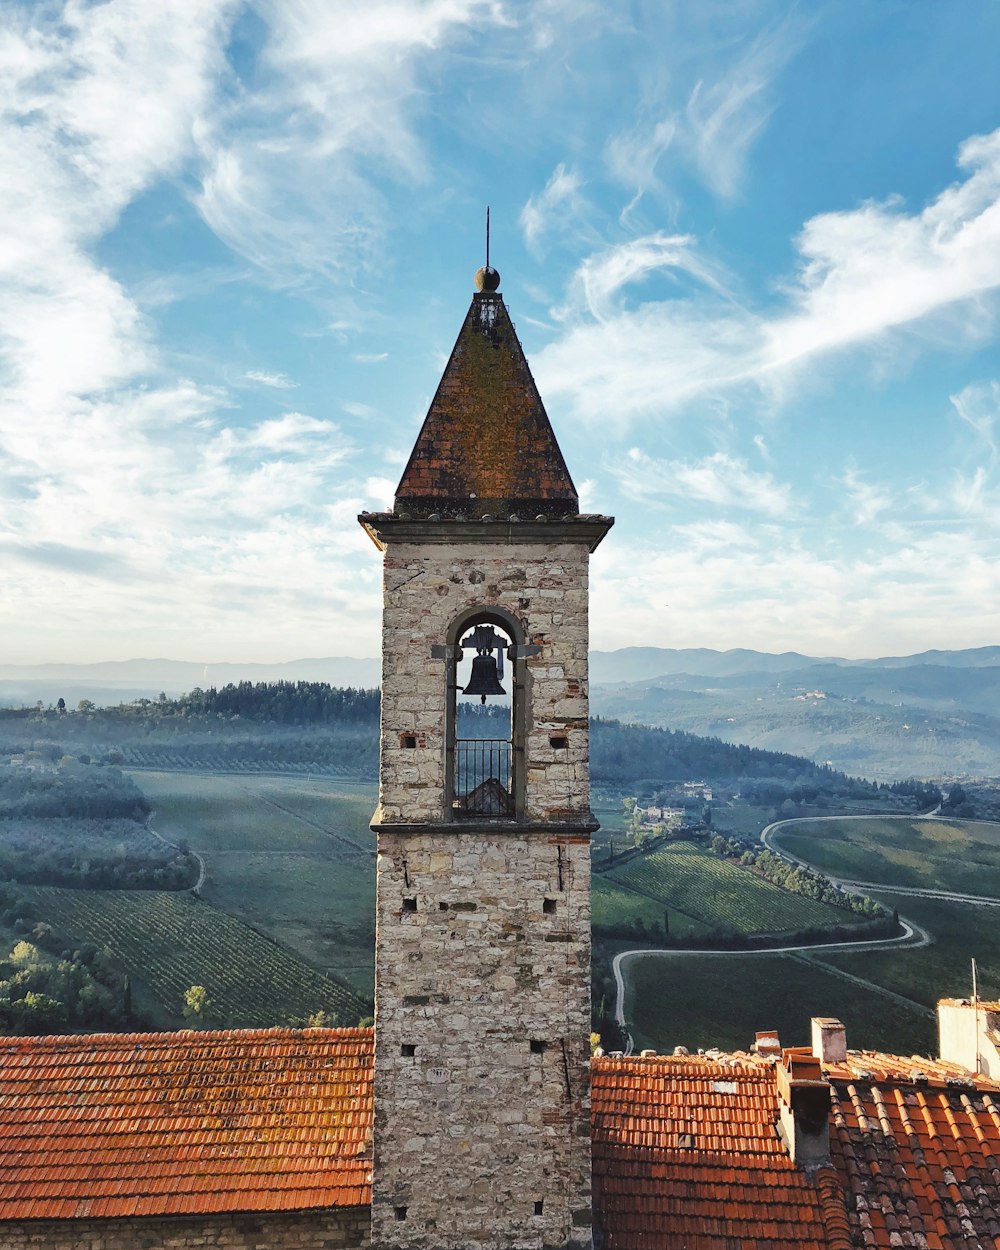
(484, 678)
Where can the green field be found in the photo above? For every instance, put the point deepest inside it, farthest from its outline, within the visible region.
(722, 1000)
(171, 941)
(692, 881)
(613, 904)
(960, 931)
(292, 856)
(959, 855)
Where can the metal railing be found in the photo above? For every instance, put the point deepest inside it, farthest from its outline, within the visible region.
(483, 782)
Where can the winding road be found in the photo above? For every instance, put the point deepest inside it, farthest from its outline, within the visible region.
(913, 935)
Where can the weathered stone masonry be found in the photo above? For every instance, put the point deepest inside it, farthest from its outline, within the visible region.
(482, 1129)
(345, 1228)
(426, 588)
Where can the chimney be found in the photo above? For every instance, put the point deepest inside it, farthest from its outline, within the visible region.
(767, 1044)
(803, 1108)
(969, 1035)
(829, 1040)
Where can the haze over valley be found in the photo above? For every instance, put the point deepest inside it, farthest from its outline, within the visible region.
(933, 714)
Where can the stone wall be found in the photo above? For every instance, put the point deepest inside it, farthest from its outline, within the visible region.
(341, 1229)
(482, 1112)
(427, 585)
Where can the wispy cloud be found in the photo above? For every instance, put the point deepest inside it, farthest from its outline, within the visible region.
(979, 407)
(713, 130)
(719, 479)
(864, 274)
(864, 500)
(877, 267)
(602, 276)
(279, 381)
(552, 209)
(294, 168)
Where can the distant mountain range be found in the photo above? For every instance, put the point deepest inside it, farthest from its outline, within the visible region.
(119, 681)
(932, 714)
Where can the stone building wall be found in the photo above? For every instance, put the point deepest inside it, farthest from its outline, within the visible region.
(482, 1114)
(426, 586)
(345, 1228)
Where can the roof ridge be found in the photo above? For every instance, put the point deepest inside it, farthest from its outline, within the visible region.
(171, 1037)
(833, 1208)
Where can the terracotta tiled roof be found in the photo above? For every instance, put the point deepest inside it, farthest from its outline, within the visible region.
(686, 1154)
(486, 444)
(917, 1145)
(116, 1125)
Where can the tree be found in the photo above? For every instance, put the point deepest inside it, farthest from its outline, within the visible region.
(197, 1005)
(61, 706)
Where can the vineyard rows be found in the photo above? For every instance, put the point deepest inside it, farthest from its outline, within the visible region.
(99, 836)
(721, 894)
(173, 941)
(209, 759)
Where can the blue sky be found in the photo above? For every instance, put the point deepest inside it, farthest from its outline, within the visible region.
(752, 251)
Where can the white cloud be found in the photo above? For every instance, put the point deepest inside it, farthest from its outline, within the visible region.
(690, 587)
(109, 469)
(979, 407)
(864, 275)
(719, 479)
(552, 209)
(714, 128)
(379, 492)
(279, 381)
(604, 275)
(864, 500)
(294, 166)
(370, 358)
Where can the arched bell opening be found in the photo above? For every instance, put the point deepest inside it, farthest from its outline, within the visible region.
(485, 715)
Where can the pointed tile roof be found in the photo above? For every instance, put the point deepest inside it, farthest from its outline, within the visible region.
(486, 445)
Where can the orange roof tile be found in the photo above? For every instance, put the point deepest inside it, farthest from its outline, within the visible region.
(111, 1125)
(916, 1143)
(686, 1153)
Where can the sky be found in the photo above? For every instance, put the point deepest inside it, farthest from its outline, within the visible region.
(752, 250)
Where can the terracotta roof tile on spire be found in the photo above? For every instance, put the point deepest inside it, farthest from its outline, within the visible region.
(486, 445)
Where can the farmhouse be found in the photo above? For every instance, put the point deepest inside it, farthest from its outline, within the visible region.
(472, 1115)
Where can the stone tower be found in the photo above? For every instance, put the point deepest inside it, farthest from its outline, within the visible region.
(482, 964)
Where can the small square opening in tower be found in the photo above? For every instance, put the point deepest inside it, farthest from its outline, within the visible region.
(409, 904)
(549, 906)
(408, 741)
(539, 1205)
(408, 1050)
(400, 1213)
(537, 1046)
(558, 742)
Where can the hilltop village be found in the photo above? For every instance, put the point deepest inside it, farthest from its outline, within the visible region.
(480, 1109)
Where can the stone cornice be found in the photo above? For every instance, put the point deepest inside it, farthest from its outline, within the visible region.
(386, 527)
(515, 828)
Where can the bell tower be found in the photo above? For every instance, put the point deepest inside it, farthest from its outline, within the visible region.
(482, 949)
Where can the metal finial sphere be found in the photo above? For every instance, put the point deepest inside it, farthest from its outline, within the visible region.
(486, 279)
